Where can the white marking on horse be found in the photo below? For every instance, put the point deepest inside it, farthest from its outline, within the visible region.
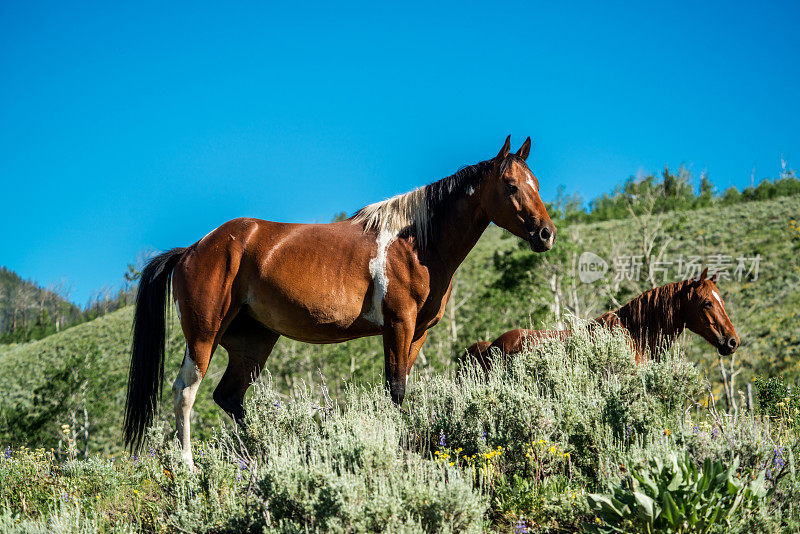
(716, 296)
(184, 391)
(470, 191)
(380, 280)
(530, 181)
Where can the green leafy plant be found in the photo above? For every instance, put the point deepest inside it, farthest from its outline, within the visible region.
(676, 496)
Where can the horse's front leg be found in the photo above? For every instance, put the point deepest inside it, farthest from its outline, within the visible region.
(400, 349)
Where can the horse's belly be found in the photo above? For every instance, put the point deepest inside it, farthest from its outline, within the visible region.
(323, 321)
(312, 306)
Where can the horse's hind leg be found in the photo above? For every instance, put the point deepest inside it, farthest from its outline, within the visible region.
(184, 389)
(202, 286)
(248, 344)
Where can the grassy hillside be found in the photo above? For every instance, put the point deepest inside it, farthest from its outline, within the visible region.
(79, 375)
(763, 310)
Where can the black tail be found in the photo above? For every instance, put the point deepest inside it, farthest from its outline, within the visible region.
(147, 349)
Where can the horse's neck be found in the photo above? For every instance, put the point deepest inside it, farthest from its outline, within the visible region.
(654, 320)
(457, 233)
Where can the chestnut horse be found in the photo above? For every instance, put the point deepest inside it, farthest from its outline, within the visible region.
(385, 271)
(653, 321)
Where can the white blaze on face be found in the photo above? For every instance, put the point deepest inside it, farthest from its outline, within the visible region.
(530, 181)
(716, 296)
(380, 280)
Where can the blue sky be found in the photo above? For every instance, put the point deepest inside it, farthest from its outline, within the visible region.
(132, 126)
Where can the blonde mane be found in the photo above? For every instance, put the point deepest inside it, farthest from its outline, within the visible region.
(393, 215)
(416, 212)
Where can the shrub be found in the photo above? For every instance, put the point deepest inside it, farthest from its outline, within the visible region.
(777, 399)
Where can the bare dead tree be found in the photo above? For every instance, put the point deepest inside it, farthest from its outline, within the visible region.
(44, 298)
(555, 289)
(105, 294)
(457, 300)
(60, 291)
(581, 303)
(25, 302)
(611, 285)
(729, 384)
(650, 232)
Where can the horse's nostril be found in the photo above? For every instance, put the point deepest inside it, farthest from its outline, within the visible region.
(544, 233)
(732, 342)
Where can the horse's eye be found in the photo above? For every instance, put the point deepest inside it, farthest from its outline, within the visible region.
(707, 304)
(511, 189)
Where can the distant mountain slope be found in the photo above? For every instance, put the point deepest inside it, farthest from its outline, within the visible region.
(29, 311)
(501, 285)
(50, 382)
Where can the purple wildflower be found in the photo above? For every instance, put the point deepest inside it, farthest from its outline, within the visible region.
(7, 452)
(521, 527)
(442, 442)
(778, 460)
(242, 467)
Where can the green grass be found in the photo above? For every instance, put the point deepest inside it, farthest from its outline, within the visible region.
(525, 447)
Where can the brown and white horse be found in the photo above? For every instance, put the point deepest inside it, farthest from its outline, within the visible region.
(385, 271)
(653, 321)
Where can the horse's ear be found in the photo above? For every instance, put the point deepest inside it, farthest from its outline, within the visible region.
(715, 277)
(703, 275)
(505, 150)
(525, 149)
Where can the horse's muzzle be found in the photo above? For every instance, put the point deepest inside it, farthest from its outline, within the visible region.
(543, 239)
(728, 345)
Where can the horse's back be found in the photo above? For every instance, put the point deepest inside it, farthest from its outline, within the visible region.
(305, 281)
(517, 340)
